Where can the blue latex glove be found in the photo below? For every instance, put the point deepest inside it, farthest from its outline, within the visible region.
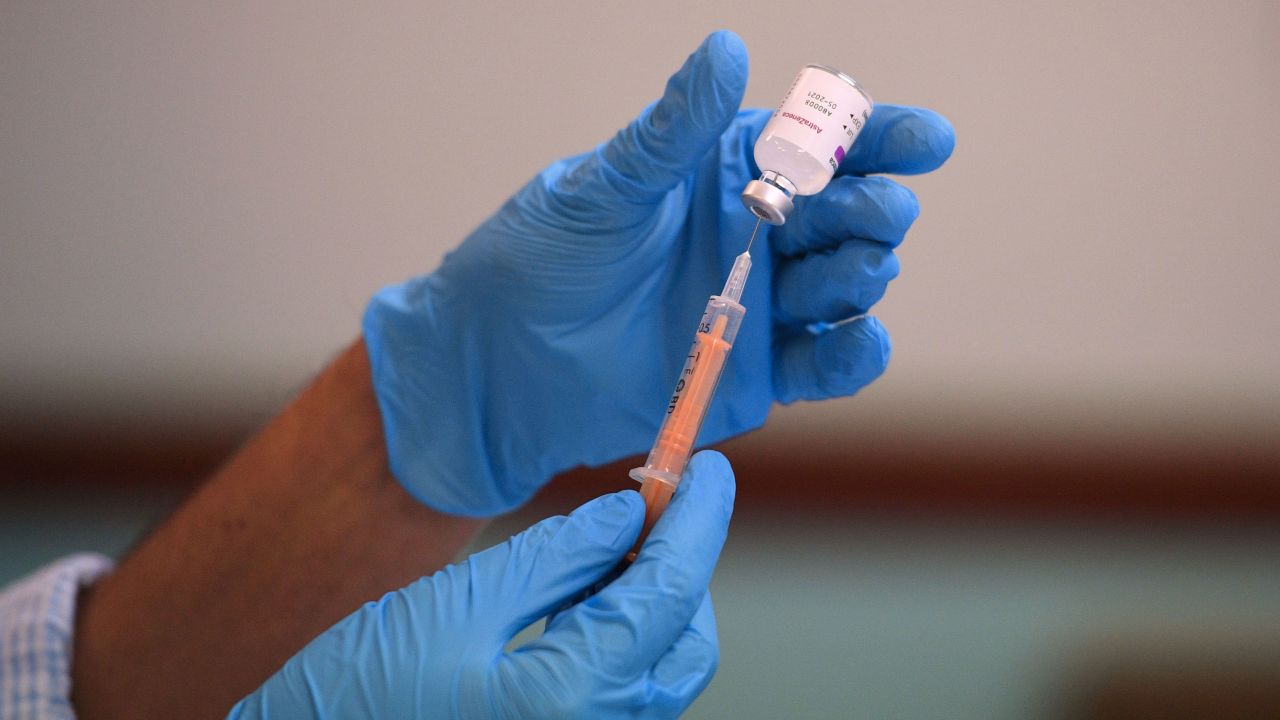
(643, 647)
(553, 335)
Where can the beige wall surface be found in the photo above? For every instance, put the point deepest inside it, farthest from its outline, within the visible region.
(196, 199)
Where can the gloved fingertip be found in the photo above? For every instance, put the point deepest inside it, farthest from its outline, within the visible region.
(836, 363)
(728, 55)
(666, 143)
(711, 84)
(612, 520)
(905, 205)
(709, 482)
(727, 42)
(872, 331)
(631, 500)
(923, 139)
(877, 328)
(853, 355)
(711, 462)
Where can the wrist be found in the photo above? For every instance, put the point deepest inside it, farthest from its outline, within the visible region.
(300, 527)
(431, 372)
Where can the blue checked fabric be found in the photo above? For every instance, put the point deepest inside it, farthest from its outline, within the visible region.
(37, 623)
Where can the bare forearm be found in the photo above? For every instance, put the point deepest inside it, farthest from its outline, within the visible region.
(298, 529)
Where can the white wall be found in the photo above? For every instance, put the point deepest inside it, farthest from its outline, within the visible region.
(195, 202)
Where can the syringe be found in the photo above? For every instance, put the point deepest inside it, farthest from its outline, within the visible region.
(694, 389)
(798, 152)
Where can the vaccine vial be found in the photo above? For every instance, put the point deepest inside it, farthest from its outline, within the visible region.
(802, 145)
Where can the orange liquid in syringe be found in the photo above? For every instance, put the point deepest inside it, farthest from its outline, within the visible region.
(688, 406)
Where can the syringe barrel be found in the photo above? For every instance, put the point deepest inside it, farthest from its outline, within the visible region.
(688, 406)
(693, 392)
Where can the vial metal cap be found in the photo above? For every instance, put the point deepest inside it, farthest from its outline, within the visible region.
(767, 202)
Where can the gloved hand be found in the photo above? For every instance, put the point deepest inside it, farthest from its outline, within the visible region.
(554, 334)
(643, 647)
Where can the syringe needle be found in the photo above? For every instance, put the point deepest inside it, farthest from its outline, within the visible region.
(753, 235)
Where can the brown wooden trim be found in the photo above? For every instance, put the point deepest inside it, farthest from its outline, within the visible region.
(1014, 479)
(866, 474)
(119, 456)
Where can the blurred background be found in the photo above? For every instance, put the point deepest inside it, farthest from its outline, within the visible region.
(1062, 499)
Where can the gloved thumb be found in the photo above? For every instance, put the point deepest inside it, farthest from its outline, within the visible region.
(551, 562)
(642, 613)
(664, 145)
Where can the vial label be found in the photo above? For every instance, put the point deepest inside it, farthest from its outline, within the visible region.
(813, 128)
